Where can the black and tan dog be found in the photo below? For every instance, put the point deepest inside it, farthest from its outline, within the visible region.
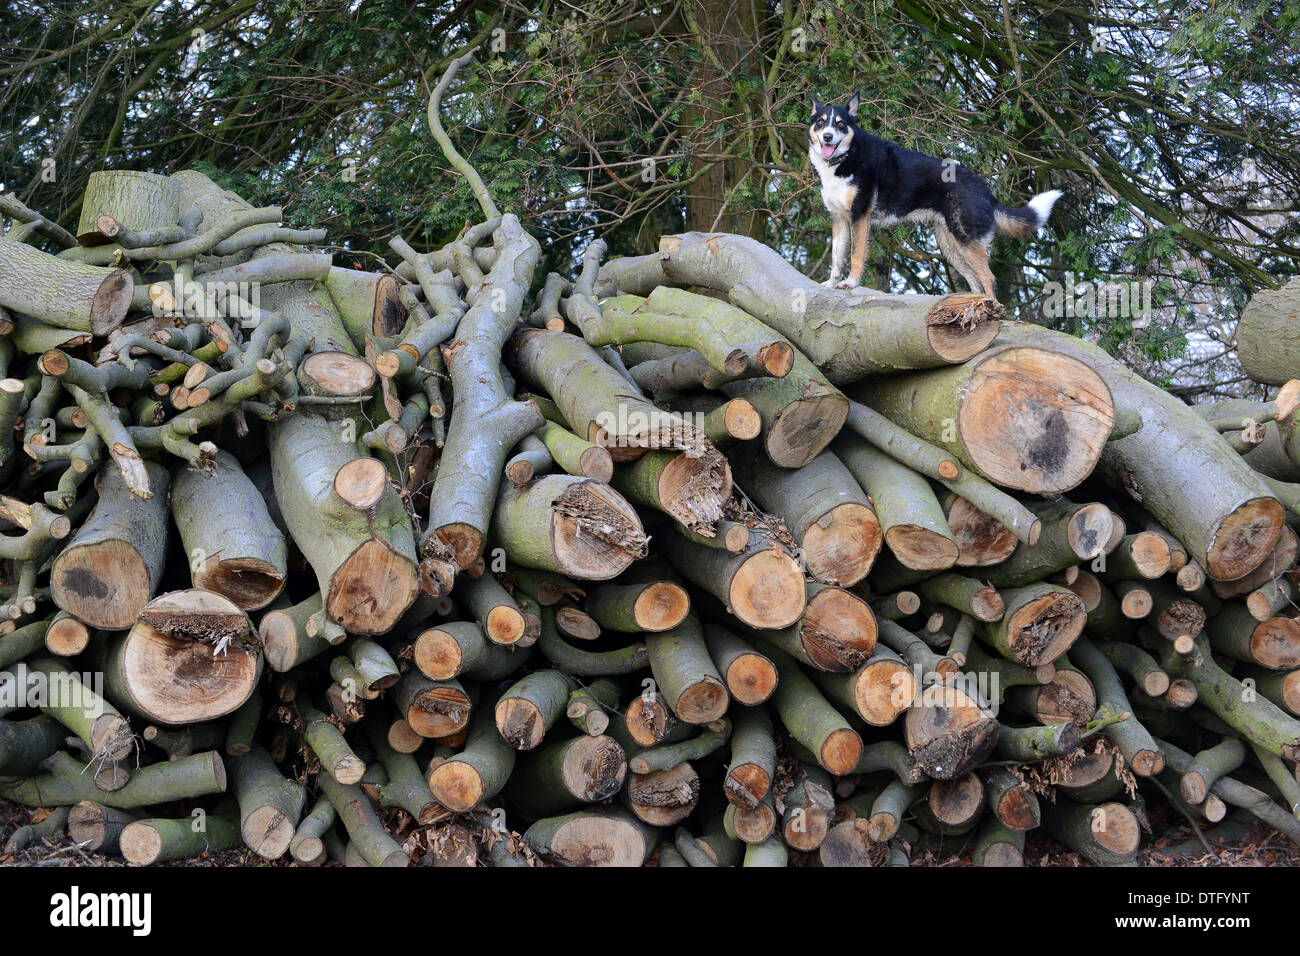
(867, 181)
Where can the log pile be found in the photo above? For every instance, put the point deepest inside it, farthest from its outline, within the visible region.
(686, 560)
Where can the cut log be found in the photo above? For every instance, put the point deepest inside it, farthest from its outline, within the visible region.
(1268, 335)
(565, 775)
(910, 516)
(997, 845)
(1107, 834)
(62, 293)
(308, 844)
(476, 773)
(363, 825)
(284, 637)
(459, 648)
(809, 808)
(1258, 721)
(607, 836)
(97, 828)
(67, 782)
(750, 677)
(25, 744)
(1177, 466)
(753, 760)
(878, 691)
(531, 707)
(683, 670)
(1040, 624)
(495, 610)
(964, 595)
(1070, 533)
(810, 720)
(234, 547)
(1273, 643)
(1142, 556)
(432, 708)
(574, 526)
(597, 403)
(981, 539)
(654, 605)
(368, 303)
(269, 805)
(191, 656)
(159, 840)
(1208, 766)
(801, 412)
(948, 732)
(123, 199)
(762, 585)
(1139, 748)
(110, 569)
(691, 490)
(825, 510)
(363, 552)
(1028, 417)
(485, 422)
(848, 334)
(1010, 800)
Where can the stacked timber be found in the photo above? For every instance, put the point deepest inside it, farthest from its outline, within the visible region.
(686, 560)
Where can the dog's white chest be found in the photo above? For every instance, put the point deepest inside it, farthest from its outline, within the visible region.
(837, 191)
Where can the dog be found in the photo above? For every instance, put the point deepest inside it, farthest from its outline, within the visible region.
(867, 181)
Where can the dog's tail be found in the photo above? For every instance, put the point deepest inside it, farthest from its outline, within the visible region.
(1027, 219)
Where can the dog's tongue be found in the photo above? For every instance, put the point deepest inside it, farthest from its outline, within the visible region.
(827, 151)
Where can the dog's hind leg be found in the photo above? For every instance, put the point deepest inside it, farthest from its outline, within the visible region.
(839, 249)
(955, 253)
(978, 256)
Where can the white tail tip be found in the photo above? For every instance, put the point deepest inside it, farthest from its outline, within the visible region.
(1042, 204)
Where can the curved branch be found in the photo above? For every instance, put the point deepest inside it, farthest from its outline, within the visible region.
(458, 162)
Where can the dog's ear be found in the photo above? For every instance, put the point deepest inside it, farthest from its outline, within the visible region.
(818, 105)
(854, 103)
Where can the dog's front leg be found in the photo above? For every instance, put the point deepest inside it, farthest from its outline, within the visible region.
(839, 249)
(861, 237)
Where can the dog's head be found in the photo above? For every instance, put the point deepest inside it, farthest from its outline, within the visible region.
(832, 127)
